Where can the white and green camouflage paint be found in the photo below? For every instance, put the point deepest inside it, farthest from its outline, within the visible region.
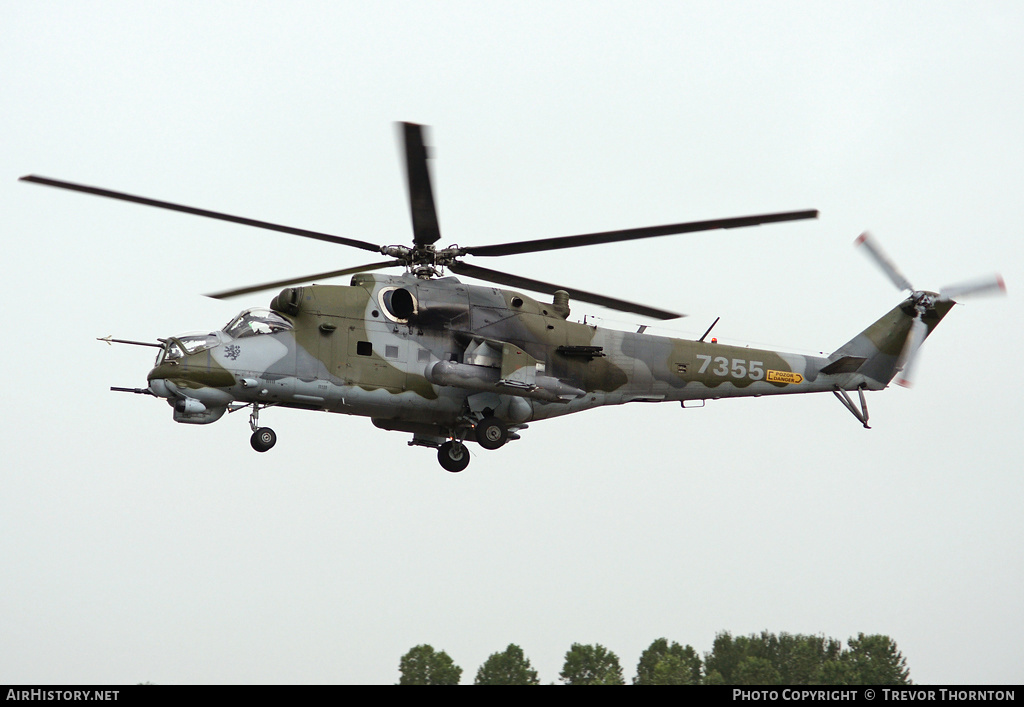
(431, 357)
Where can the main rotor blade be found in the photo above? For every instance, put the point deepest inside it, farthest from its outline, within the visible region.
(202, 212)
(227, 294)
(630, 234)
(882, 260)
(525, 283)
(425, 228)
(993, 283)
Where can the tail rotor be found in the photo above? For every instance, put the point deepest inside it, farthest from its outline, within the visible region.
(882, 261)
(923, 301)
(992, 284)
(918, 331)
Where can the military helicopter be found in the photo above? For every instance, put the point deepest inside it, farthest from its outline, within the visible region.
(449, 362)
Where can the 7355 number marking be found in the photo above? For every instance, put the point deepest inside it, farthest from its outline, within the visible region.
(734, 367)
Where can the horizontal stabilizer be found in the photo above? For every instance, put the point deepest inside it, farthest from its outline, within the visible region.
(846, 364)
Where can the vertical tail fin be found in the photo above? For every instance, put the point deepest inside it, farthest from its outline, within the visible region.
(890, 345)
(882, 345)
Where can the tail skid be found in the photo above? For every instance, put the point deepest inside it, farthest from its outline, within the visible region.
(876, 355)
(862, 413)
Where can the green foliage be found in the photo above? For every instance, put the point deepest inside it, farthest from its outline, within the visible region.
(723, 659)
(591, 665)
(769, 659)
(713, 678)
(787, 659)
(752, 670)
(673, 670)
(757, 659)
(509, 667)
(874, 660)
(664, 664)
(423, 666)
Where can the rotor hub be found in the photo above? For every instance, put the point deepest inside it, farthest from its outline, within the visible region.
(923, 300)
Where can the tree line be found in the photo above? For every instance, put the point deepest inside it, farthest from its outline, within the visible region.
(757, 659)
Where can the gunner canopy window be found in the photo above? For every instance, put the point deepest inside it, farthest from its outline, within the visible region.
(252, 322)
(171, 352)
(176, 347)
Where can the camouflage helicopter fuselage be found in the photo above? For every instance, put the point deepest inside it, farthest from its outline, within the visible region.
(446, 361)
(435, 357)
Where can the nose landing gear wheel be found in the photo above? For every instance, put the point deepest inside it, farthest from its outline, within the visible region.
(263, 439)
(491, 433)
(453, 456)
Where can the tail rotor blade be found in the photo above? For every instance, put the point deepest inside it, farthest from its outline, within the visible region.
(915, 338)
(883, 261)
(987, 285)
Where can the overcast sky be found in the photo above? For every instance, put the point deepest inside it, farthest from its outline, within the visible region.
(136, 549)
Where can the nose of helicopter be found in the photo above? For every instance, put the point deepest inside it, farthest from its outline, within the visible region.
(162, 386)
(158, 380)
(190, 376)
(158, 387)
(182, 387)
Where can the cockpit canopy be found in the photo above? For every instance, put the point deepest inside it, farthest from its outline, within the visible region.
(176, 347)
(253, 322)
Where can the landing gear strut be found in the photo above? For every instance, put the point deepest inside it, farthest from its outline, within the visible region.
(263, 438)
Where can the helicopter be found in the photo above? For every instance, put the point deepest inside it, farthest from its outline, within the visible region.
(426, 354)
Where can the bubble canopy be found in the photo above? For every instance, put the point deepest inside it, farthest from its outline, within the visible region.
(251, 322)
(256, 321)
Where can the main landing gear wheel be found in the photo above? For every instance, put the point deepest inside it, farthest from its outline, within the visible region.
(453, 456)
(491, 433)
(263, 439)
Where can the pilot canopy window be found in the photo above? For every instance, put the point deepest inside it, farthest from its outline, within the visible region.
(253, 322)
